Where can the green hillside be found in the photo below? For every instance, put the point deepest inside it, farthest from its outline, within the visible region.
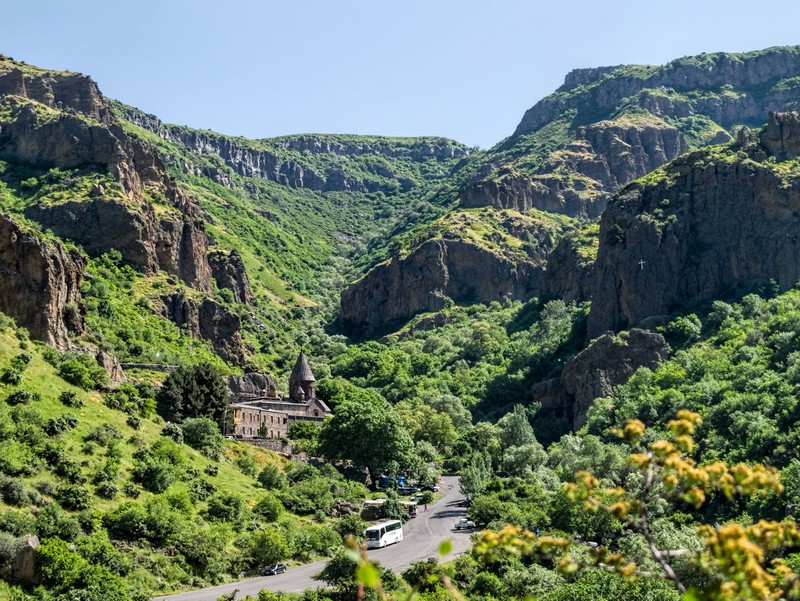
(127, 506)
(140, 511)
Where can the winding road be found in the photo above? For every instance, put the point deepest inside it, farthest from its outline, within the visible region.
(421, 538)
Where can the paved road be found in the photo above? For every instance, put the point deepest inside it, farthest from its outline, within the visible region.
(421, 538)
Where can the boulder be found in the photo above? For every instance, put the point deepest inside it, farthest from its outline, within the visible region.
(608, 362)
(40, 284)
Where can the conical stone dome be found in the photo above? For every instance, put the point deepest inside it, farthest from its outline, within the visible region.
(301, 371)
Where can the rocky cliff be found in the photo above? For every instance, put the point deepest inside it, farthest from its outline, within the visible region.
(315, 162)
(580, 178)
(208, 320)
(606, 127)
(229, 272)
(40, 284)
(54, 120)
(750, 82)
(424, 281)
(606, 363)
(706, 226)
(58, 90)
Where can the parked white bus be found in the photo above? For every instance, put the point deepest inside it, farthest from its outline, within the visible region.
(385, 533)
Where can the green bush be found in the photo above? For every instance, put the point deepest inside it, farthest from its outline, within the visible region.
(269, 507)
(155, 474)
(11, 376)
(272, 478)
(226, 507)
(13, 492)
(70, 399)
(105, 435)
(247, 464)
(73, 496)
(173, 431)
(19, 397)
(82, 371)
(203, 434)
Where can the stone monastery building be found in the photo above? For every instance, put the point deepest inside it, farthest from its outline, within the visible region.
(259, 406)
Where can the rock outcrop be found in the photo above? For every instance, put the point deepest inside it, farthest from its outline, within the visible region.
(606, 363)
(116, 375)
(60, 120)
(569, 271)
(229, 272)
(579, 179)
(281, 159)
(423, 281)
(40, 284)
(210, 321)
(252, 385)
(58, 90)
(710, 224)
(22, 565)
(598, 91)
(147, 243)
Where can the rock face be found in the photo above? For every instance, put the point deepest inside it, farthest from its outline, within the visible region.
(709, 225)
(22, 567)
(608, 362)
(437, 270)
(782, 135)
(83, 133)
(603, 90)
(252, 385)
(229, 272)
(60, 91)
(40, 284)
(113, 368)
(280, 159)
(208, 320)
(509, 190)
(603, 157)
(146, 242)
(569, 272)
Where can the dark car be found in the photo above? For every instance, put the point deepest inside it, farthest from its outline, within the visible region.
(277, 568)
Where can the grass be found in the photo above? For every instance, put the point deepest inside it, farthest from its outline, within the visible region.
(41, 377)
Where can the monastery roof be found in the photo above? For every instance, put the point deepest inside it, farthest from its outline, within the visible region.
(302, 371)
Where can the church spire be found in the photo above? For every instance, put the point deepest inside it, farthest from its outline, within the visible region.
(302, 381)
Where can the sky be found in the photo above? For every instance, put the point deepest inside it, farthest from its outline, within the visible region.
(464, 69)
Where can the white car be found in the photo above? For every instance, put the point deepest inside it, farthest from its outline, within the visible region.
(464, 524)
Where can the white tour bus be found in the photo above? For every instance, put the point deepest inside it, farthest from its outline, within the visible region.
(385, 533)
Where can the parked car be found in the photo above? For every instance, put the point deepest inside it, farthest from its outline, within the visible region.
(464, 524)
(431, 487)
(277, 568)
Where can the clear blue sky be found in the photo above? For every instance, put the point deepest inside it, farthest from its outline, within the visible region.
(466, 69)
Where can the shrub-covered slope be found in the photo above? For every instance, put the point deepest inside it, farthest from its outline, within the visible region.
(575, 149)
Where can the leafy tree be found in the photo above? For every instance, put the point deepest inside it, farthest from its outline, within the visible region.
(271, 477)
(269, 507)
(522, 461)
(352, 525)
(369, 433)
(202, 433)
(475, 476)
(193, 391)
(267, 547)
(302, 430)
(516, 429)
